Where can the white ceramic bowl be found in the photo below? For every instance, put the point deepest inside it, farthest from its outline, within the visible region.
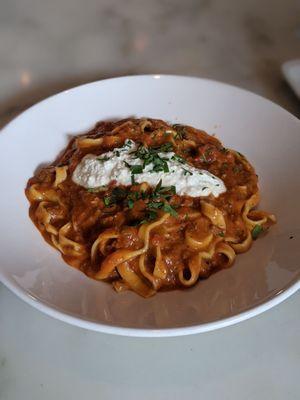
(267, 274)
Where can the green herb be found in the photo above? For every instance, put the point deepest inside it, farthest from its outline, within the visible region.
(256, 231)
(163, 191)
(158, 186)
(130, 203)
(204, 187)
(117, 153)
(176, 157)
(222, 234)
(167, 208)
(133, 182)
(180, 131)
(152, 215)
(137, 195)
(155, 205)
(107, 201)
(128, 143)
(160, 165)
(136, 169)
(240, 154)
(186, 172)
(102, 159)
(151, 155)
(164, 148)
(118, 194)
(166, 168)
(141, 152)
(172, 189)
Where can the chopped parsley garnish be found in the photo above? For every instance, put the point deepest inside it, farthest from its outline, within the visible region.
(204, 187)
(128, 143)
(180, 131)
(160, 164)
(152, 215)
(181, 160)
(130, 203)
(107, 201)
(256, 231)
(155, 205)
(154, 201)
(102, 159)
(157, 200)
(158, 186)
(163, 191)
(118, 194)
(134, 169)
(187, 172)
(240, 154)
(169, 209)
(222, 234)
(164, 148)
(117, 153)
(133, 182)
(151, 156)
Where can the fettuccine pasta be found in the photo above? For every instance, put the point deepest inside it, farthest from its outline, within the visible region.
(132, 229)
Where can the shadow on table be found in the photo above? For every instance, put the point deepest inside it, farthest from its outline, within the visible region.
(276, 89)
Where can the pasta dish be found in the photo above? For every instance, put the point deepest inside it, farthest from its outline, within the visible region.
(148, 206)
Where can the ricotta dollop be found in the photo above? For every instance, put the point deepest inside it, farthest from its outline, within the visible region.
(123, 166)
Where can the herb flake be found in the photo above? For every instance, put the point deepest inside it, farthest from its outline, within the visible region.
(256, 231)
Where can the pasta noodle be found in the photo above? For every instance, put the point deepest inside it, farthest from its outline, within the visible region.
(144, 237)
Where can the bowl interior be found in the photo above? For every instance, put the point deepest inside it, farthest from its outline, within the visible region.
(265, 133)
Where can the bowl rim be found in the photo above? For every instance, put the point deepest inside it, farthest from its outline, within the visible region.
(53, 311)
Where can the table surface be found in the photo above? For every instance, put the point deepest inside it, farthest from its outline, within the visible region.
(46, 47)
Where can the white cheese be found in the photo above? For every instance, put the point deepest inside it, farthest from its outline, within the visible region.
(96, 171)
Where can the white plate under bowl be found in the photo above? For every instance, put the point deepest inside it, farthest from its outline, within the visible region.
(268, 135)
